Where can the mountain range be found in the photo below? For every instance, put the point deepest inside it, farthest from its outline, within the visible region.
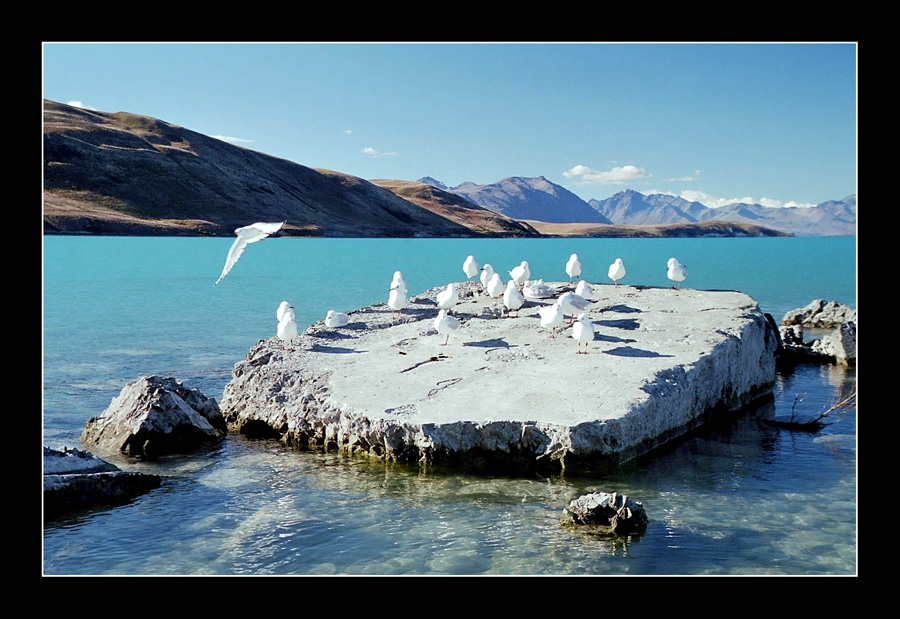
(122, 173)
(541, 200)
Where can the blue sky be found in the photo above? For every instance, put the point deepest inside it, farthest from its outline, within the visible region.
(774, 123)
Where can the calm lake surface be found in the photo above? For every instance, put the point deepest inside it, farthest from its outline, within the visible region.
(737, 498)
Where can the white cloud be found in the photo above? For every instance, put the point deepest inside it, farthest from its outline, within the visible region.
(81, 105)
(614, 176)
(348, 131)
(371, 151)
(232, 140)
(686, 179)
(713, 202)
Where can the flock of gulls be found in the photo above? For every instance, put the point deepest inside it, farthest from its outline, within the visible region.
(514, 293)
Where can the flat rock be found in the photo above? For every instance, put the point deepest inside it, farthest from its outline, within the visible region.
(503, 390)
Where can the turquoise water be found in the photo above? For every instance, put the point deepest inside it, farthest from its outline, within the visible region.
(740, 498)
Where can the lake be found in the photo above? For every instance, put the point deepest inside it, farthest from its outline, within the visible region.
(737, 497)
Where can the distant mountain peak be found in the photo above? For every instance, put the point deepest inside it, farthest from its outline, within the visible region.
(427, 180)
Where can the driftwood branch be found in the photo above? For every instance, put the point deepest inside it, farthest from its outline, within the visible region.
(843, 403)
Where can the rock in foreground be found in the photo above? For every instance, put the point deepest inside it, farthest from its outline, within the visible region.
(75, 479)
(153, 416)
(505, 391)
(606, 513)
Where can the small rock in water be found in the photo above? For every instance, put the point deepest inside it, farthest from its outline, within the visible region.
(606, 513)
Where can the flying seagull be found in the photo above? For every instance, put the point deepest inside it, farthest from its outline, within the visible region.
(247, 234)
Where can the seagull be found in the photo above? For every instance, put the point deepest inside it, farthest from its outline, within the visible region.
(447, 298)
(521, 274)
(583, 289)
(551, 316)
(446, 324)
(583, 332)
(573, 267)
(537, 289)
(487, 272)
(336, 319)
(247, 234)
(283, 309)
(287, 330)
(512, 298)
(572, 304)
(616, 271)
(399, 281)
(676, 272)
(495, 286)
(397, 296)
(470, 267)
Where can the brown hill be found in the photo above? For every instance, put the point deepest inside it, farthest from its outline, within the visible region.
(700, 229)
(120, 173)
(457, 208)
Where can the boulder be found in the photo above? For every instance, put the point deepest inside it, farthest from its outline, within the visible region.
(75, 479)
(820, 314)
(840, 344)
(153, 416)
(606, 513)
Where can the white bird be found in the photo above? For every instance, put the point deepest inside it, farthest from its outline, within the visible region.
(336, 319)
(583, 332)
(447, 298)
(399, 281)
(246, 235)
(584, 289)
(397, 297)
(551, 316)
(487, 272)
(521, 274)
(470, 267)
(617, 271)
(572, 304)
(495, 286)
(283, 308)
(446, 324)
(677, 272)
(537, 289)
(573, 267)
(513, 298)
(287, 330)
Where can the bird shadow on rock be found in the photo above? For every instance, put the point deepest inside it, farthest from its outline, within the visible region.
(630, 351)
(612, 339)
(334, 349)
(491, 343)
(628, 324)
(622, 309)
(331, 335)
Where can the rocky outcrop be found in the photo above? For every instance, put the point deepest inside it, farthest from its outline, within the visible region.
(820, 314)
(606, 513)
(838, 346)
(503, 392)
(75, 479)
(153, 416)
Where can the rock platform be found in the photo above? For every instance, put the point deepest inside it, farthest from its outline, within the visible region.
(504, 390)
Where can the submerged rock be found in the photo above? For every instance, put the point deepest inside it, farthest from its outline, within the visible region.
(606, 513)
(75, 479)
(153, 416)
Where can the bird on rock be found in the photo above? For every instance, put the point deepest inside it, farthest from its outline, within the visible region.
(447, 298)
(551, 316)
(446, 324)
(487, 272)
(336, 319)
(495, 286)
(573, 267)
(572, 304)
(521, 274)
(676, 272)
(584, 289)
(397, 297)
(399, 281)
(287, 331)
(617, 271)
(583, 332)
(513, 298)
(470, 267)
(283, 309)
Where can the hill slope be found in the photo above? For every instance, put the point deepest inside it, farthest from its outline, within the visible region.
(120, 173)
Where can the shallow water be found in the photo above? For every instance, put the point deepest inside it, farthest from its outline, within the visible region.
(736, 497)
